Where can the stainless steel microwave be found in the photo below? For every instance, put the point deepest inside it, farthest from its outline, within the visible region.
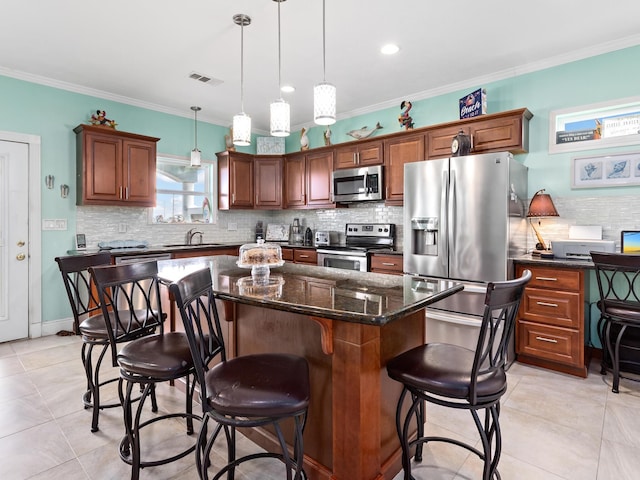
(357, 184)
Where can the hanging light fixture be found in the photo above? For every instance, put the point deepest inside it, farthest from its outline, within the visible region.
(242, 121)
(324, 94)
(280, 112)
(195, 153)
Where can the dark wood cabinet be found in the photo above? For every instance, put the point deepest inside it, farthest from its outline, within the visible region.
(397, 152)
(235, 181)
(268, 182)
(385, 263)
(360, 154)
(115, 168)
(505, 131)
(551, 319)
(307, 180)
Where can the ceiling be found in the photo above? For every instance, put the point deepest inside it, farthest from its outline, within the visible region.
(142, 52)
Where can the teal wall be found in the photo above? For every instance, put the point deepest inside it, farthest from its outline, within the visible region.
(53, 113)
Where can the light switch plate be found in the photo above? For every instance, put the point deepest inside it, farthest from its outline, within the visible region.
(54, 224)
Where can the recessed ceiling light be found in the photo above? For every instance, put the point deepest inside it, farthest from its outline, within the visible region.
(288, 88)
(390, 49)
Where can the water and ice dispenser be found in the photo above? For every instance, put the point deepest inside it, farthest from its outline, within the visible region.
(424, 236)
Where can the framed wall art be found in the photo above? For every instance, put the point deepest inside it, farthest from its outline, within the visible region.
(620, 170)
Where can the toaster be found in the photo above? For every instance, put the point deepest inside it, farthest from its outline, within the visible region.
(325, 237)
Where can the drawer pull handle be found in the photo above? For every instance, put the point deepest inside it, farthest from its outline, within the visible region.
(548, 340)
(303, 256)
(389, 264)
(548, 279)
(547, 304)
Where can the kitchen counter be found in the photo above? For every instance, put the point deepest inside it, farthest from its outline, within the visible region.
(348, 325)
(553, 262)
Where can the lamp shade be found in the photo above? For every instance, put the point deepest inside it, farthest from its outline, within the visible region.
(242, 130)
(542, 206)
(280, 118)
(195, 158)
(324, 104)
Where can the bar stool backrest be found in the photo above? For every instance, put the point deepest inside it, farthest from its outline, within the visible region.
(79, 285)
(502, 301)
(618, 276)
(196, 301)
(130, 298)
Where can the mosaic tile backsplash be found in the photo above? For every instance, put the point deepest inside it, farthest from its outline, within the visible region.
(102, 223)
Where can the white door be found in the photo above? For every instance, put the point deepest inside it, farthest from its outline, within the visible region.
(14, 240)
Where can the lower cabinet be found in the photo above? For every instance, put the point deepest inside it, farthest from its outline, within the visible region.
(382, 263)
(308, 256)
(551, 320)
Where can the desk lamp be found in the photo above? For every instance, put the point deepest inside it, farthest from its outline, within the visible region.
(541, 206)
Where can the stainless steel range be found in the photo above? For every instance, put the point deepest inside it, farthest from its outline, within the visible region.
(360, 239)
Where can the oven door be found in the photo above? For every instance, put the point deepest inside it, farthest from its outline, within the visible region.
(343, 260)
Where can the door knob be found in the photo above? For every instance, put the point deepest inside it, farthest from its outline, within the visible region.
(20, 256)
(20, 243)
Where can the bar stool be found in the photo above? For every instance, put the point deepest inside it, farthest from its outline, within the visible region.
(456, 377)
(88, 322)
(146, 359)
(618, 277)
(247, 391)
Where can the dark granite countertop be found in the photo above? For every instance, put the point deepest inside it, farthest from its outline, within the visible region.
(158, 249)
(337, 294)
(553, 262)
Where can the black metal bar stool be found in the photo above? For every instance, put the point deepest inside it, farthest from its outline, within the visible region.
(247, 391)
(618, 277)
(88, 322)
(146, 359)
(456, 377)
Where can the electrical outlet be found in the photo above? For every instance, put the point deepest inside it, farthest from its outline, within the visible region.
(232, 227)
(122, 228)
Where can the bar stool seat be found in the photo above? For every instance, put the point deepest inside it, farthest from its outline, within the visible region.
(163, 357)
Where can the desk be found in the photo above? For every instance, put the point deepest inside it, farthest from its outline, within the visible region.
(348, 325)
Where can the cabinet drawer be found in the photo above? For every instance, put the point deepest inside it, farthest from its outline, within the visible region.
(305, 256)
(287, 254)
(554, 278)
(551, 307)
(557, 344)
(386, 263)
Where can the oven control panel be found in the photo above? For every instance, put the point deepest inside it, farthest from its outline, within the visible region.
(384, 230)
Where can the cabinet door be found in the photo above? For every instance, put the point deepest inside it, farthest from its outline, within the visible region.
(439, 141)
(241, 182)
(370, 153)
(346, 157)
(102, 168)
(294, 181)
(268, 182)
(503, 133)
(319, 169)
(139, 170)
(398, 152)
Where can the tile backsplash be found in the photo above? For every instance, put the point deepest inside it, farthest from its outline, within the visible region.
(613, 213)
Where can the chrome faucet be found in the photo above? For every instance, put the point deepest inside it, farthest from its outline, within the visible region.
(192, 233)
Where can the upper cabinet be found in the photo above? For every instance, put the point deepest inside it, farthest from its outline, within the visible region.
(360, 154)
(504, 131)
(268, 182)
(115, 168)
(397, 152)
(235, 181)
(307, 180)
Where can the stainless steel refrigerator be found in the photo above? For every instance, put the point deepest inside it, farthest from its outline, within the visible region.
(464, 219)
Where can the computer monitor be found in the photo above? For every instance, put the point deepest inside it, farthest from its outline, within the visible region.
(630, 241)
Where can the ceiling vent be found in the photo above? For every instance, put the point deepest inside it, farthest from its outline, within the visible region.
(207, 79)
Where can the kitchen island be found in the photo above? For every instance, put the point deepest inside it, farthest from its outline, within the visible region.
(348, 325)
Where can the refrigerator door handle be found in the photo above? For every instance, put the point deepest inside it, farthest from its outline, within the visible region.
(451, 208)
(444, 220)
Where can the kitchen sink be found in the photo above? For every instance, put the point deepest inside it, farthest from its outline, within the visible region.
(193, 245)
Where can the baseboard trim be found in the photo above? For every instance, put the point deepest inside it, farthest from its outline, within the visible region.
(53, 327)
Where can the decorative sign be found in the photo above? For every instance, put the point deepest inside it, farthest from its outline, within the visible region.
(270, 146)
(473, 104)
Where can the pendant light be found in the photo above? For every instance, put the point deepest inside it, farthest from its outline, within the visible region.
(280, 112)
(324, 94)
(195, 153)
(242, 121)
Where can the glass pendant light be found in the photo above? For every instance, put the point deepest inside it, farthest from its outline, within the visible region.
(195, 153)
(280, 111)
(242, 121)
(324, 94)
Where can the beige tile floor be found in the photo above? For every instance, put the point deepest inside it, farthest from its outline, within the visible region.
(554, 426)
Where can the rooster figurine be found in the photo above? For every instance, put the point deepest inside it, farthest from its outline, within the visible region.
(304, 139)
(405, 120)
